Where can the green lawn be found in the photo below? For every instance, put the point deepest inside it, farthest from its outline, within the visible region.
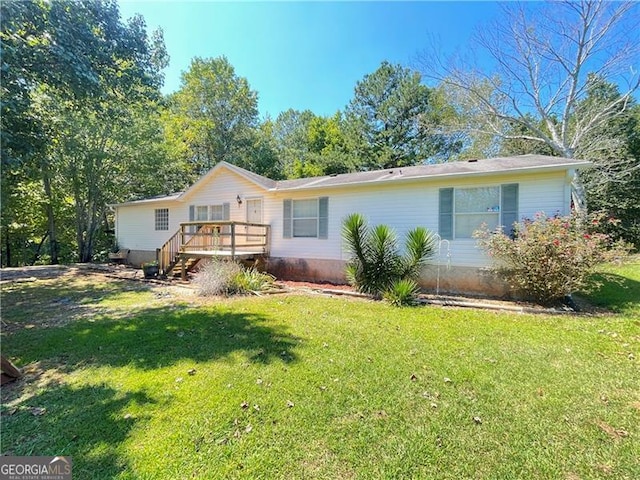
(314, 387)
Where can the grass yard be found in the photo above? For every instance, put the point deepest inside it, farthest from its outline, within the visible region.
(142, 383)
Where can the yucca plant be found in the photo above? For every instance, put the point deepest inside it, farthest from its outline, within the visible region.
(402, 293)
(252, 280)
(376, 263)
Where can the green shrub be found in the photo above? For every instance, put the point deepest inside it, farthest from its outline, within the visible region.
(251, 280)
(549, 258)
(402, 293)
(376, 263)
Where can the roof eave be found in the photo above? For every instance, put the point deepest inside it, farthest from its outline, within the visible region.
(433, 177)
(144, 201)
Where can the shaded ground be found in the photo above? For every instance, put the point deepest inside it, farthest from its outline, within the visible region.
(179, 290)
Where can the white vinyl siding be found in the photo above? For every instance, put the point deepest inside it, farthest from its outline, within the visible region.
(402, 206)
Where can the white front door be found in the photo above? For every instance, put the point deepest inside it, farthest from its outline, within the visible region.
(254, 215)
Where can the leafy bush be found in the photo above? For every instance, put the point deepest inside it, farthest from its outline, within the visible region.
(376, 263)
(549, 258)
(402, 293)
(252, 280)
(217, 278)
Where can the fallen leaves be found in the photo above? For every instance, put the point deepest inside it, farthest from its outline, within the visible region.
(614, 433)
(37, 411)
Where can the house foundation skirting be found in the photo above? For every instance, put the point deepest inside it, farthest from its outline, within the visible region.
(307, 269)
(453, 279)
(463, 280)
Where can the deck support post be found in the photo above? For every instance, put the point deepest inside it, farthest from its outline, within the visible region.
(233, 241)
(183, 268)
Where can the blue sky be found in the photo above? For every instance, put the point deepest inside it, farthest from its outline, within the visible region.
(305, 55)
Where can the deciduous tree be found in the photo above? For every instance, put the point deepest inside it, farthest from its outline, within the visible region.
(542, 55)
(215, 113)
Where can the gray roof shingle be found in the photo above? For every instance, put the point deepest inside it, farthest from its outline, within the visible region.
(473, 167)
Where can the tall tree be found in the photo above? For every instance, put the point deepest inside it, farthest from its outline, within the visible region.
(385, 117)
(613, 185)
(67, 67)
(542, 54)
(310, 145)
(215, 113)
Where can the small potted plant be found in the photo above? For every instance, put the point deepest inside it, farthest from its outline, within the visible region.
(150, 269)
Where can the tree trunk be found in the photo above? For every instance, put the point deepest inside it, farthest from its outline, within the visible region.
(37, 254)
(54, 247)
(6, 258)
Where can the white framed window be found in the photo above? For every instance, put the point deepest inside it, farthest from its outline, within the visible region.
(162, 218)
(216, 212)
(306, 218)
(205, 213)
(202, 213)
(473, 207)
(464, 210)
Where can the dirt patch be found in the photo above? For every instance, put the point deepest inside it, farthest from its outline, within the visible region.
(57, 296)
(35, 378)
(613, 433)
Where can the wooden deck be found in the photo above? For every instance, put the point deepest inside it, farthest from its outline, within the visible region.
(222, 253)
(197, 240)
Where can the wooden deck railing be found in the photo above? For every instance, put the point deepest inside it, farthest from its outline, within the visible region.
(230, 238)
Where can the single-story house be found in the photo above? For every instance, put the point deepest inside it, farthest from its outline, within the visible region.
(295, 225)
